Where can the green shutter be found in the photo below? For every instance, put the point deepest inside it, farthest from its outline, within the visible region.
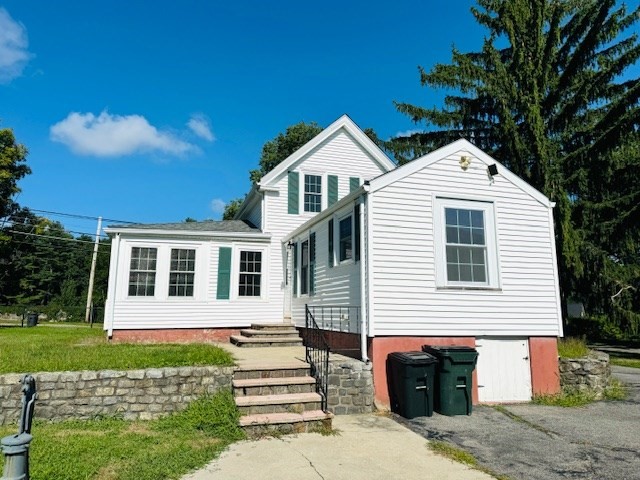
(224, 273)
(330, 243)
(295, 269)
(354, 182)
(332, 189)
(356, 231)
(312, 263)
(294, 192)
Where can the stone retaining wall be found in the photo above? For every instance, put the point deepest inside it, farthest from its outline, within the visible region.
(132, 394)
(350, 386)
(589, 374)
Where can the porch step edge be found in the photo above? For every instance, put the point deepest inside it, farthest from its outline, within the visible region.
(262, 382)
(277, 399)
(279, 418)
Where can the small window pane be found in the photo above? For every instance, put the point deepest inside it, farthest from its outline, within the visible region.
(465, 273)
(464, 255)
(479, 274)
(464, 218)
(451, 216)
(452, 272)
(465, 235)
(477, 236)
(452, 235)
(477, 218)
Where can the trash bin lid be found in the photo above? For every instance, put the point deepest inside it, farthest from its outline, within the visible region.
(447, 349)
(413, 358)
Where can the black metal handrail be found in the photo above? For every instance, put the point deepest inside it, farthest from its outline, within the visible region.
(317, 354)
(337, 318)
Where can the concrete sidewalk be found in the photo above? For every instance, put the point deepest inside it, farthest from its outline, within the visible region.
(365, 447)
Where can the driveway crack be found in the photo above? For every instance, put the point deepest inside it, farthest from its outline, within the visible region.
(518, 418)
(307, 459)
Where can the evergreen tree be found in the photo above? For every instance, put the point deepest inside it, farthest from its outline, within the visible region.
(548, 96)
(12, 168)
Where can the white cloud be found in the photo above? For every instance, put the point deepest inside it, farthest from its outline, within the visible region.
(199, 124)
(217, 206)
(109, 135)
(13, 47)
(407, 133)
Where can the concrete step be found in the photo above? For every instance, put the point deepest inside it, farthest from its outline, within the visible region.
(271, 370)
(280, 403)
(253, 333)
(271, 326)
(273, 386)
(283, 423)
(242, 341)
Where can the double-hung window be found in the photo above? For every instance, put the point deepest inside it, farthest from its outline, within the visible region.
(345, 240)
(312, 193)
(182, 272)
(465, 243)
(250, 274)
(142, 272)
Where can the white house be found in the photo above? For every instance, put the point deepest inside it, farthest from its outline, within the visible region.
(450, 249)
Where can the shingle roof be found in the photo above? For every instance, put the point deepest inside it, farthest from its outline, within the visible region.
(228, 226)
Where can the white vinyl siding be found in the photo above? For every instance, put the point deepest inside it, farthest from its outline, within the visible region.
(202, 310)
(406, 297)
(334, 286)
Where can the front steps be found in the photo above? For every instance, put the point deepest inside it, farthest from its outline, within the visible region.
(278, 399)
(269, 335)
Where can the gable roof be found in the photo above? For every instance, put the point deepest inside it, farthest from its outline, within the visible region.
(447, 151)
(236, 228)
(344, 122)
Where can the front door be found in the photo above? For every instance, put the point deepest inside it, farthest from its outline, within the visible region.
(504, 369)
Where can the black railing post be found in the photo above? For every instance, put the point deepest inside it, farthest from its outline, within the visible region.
(317, 355)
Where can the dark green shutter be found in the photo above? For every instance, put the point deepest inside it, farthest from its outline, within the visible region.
(294, 193)
(332, 189)
(330, 243)
(354, 182)
(295, 269)
(312, 263)
(224, 273)
(356, 231)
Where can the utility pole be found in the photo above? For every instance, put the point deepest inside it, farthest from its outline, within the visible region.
(93, 271)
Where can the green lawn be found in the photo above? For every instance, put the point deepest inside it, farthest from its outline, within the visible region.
(49, 348)
(115, 449)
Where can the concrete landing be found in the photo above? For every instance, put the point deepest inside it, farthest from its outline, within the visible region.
(365, 447)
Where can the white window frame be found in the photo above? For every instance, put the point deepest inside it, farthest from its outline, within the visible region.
(155, 272)
(440, 241)
(235, 273)
(323, 191)
(186, 272)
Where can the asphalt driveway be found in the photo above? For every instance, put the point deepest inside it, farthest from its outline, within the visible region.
(530, 442)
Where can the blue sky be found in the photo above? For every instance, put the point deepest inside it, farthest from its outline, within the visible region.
(156, 111)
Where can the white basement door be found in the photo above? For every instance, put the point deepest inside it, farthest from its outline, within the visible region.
(504, 369)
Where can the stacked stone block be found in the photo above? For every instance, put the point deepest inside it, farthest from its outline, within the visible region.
(350, 389)
(588, 374)
(131, 394)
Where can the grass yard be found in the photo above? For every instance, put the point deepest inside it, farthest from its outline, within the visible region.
(625, 362)
(48, 348)
(114, 449)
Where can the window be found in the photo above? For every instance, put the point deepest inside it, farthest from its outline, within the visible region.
(182, 272)
(312, 193)
(345, 242)
(466, 250)
(142, 274)
(250, 274)
(304, 267)
(466, 247)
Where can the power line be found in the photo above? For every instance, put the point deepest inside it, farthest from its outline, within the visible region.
(78, 248)
(86, 217)
(50, 236)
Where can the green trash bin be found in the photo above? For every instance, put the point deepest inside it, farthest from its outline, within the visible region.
(411, 376)
(453, 383)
